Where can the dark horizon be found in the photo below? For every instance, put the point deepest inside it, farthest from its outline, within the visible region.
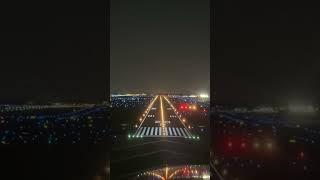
(265, 55)
(54, 56)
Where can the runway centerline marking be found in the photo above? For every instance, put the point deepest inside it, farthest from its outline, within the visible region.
(150, 126)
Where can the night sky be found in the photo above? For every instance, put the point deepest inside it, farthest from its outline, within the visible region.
(266, 54)
(160, 46)
(54, 56)
(261, 54)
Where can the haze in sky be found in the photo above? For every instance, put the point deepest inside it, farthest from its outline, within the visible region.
(160, 46)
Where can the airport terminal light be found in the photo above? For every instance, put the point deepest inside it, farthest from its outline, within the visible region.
(300, 108)
(205, 176)
(203, 95)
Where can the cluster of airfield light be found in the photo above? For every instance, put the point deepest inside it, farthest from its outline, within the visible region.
(178, 172)
(162, 123)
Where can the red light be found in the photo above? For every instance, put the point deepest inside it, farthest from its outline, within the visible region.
(229, 144)
(243, 145)
(302, 155)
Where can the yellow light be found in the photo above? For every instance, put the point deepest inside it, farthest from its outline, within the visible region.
(150, 105)
(184, 120)
(204, 96)
(162, 116)
(167, 172)
(224, 172)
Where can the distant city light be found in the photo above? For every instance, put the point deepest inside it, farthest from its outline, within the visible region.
(269, 145)
(298, 108)
(292, 141)
(256, 145)
(243, 145)
(204, 96)
(205, 176)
